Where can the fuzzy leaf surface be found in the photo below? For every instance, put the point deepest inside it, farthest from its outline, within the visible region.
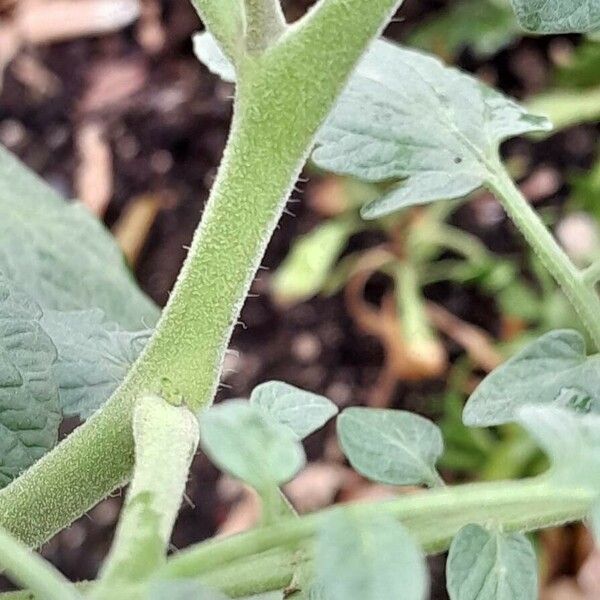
(558, 16)
(209, 53)
(391, 446)
(242, 441)
(405, 116)
(554, 369)
(490, 565)
(301, 411)
(60, 255)
(571, 441)
(29, 407)
(94, 357)
(368, 560)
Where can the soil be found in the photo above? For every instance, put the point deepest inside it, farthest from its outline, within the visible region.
(166, 124)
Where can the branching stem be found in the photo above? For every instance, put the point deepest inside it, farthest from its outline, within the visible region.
(264, 23)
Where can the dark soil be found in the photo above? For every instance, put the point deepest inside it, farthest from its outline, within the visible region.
(166, 135)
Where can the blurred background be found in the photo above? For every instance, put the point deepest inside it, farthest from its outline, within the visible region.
(106, 100)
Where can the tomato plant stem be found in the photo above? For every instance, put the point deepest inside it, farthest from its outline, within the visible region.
(584, 298)
(283, 96)
(433, 518)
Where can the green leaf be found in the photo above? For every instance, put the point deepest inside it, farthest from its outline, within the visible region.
(306, 269)
(404, 115)
(485, 26)
(391, 446)
(362, 560)
(552, 370)
(558, 16)
(571, 441)
(209, 53)
(242, 441)
(60, 255)
(302, 412)
(94, 357)
(491, 565)
(29, 410)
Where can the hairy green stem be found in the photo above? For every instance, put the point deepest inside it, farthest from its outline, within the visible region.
(264, 23)
(591, 275)
(584, 299)
(166, 438)
(31, 570)
(433, 517)
(282, 98)
(225, 20)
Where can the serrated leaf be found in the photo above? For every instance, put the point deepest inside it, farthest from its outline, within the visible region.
(242, 441)
(209, 53)
(552, 370)
(368, 560)
(94, 357)
(60, 255)
(491, 565)
(391, 446)
(558, 16)
(571, 441)
(301, 411)
(29, 410)
(405, 116)
(306, 269)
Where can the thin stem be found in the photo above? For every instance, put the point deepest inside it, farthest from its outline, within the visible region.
(225, 20)
(433, 517)
(166, 438)
(265, 23)
(283, 97)
(584, 299)
(30, 570)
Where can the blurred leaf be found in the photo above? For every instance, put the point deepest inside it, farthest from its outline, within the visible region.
(94, 357)
(491, 565)
(594, 522)
(361, 560)
(391, 446)
(240, 440)
(583, 68)
(558, 16)
(404, 115)
(29, 409)
(570, 440)
(552, 370)
(586, 191)
(306, 268)
(566, 107)
(302, 412)
(485, 26)
(209, 53)
(60, 255)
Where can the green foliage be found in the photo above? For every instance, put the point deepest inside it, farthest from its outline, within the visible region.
(60, 255)
(391, 446)
(553, 369)
(484, 26)
(406, 116)
(490, 565)
(571, 440)
(242, 441)
(29, 407)
(207, 49)
(182, 589)
(93, 357)
(302, 412)
(305, 271)
(558, 16)
(368, 559)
